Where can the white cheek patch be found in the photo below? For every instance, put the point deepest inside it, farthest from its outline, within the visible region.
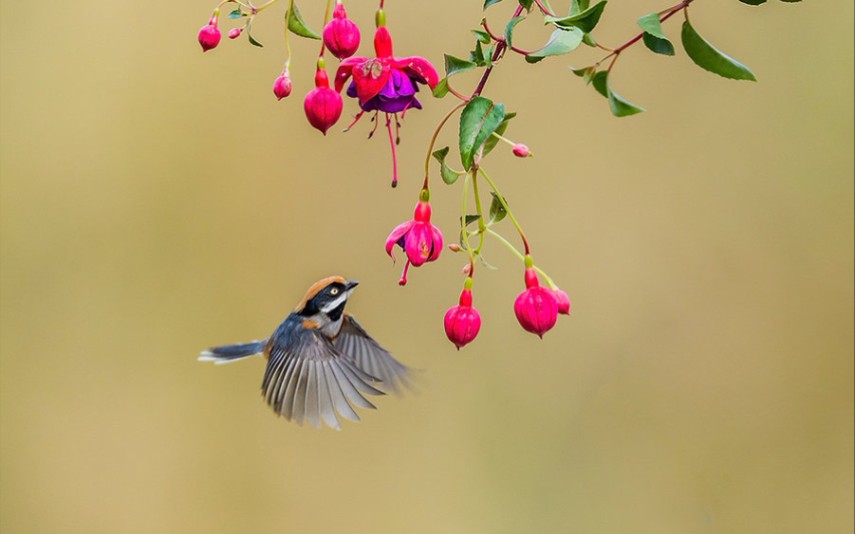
(337, 302)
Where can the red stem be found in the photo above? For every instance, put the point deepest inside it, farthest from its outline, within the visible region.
(500, 48)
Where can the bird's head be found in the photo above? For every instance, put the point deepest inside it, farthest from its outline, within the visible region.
(325, 300)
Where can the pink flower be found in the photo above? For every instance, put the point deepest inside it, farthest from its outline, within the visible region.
(536, 308)
(462, 322)
(421, 241)
(323, 105)
(234, 33)
(341, 35)
(282, 86)
(209, 35)
(563, 301)
(385, 83)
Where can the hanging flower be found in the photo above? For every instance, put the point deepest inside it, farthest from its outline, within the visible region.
(386, 83)
(341, 35)
(536, 308)
(462, 322)
(322, 104)
(421, 240)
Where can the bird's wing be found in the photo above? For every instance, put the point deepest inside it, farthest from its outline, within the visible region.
(308, 379)
(369, 356)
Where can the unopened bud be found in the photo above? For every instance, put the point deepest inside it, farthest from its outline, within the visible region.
(282, 86)
(521, 151)
(454, 247)
(209, 36)
(341, 35)
(234, 33)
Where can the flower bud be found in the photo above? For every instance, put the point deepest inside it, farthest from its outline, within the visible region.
(521, 151)
(209, 35)
(462, 322)
(454, 247)
(563, 301)
(322, 105)
(341, 35)
(282, 86)
(234, 33)
(536, 308)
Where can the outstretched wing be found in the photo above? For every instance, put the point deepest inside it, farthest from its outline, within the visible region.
(369, 356)
(308, 379)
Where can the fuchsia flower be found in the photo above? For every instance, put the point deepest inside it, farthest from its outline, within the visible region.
(209, 35)
(536, 308)
(322, 105)
(462, 322)
(385, 83)
(563, 301)
(282, 86)
(234, 33)
(341, 35)
(421, 241)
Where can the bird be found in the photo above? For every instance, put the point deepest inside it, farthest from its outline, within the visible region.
(321, 363)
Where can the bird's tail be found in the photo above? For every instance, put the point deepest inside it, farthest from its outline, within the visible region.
(231, 353)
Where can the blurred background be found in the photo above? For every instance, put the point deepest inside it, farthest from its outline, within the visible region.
(157, 201)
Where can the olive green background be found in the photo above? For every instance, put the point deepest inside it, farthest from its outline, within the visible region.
(156, 201)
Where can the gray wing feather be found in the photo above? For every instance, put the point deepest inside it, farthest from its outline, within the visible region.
(369, 357)
(310, 380)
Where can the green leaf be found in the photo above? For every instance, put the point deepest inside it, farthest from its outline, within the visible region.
(236, 14)
(441, 88)
(526, 4)
(252, 40)
(477, 55)
(600, 83)
(712, 59)
(478, 121)
(657, 45)
(497, 210)
(578, 6)
(472, 218)
(509, 29)
(619, 106)
(753, 2)
(491, 141)
(448, 174)
(482, 36)
(585, 21)
(488, 3)
(455, 65)
(586, 73)
(296, 24)
(650, 24)
(560, 42)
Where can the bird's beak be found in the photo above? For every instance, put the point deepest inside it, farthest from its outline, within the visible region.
(350, 284)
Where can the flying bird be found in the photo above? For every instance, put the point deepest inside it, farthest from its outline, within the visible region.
(320, 361)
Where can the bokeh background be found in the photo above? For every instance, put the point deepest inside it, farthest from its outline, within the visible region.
(156, 201)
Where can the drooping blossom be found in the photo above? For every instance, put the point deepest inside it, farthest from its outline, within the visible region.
(420, 240)
(341, 35)
(462, 322)
(322, 105)
(282, 85)
(386, 84)
(209, 35)
(536, 308)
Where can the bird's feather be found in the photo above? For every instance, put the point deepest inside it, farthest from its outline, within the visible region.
(370, 357)
(309, 380)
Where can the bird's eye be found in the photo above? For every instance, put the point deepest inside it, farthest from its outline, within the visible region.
(334, 291)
